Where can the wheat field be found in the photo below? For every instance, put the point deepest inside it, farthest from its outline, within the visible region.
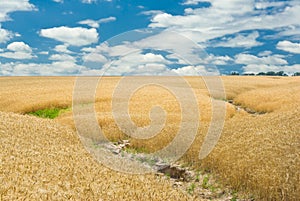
(257, 153)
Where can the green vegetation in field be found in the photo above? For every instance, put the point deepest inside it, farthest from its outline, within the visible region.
(136, 150)
(191, 188)
(50, 113)
(205, 183)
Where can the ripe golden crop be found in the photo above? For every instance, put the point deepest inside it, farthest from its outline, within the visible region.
(258, 152)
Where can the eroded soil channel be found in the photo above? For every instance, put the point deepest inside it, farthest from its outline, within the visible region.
(239, 108)
(200, 185)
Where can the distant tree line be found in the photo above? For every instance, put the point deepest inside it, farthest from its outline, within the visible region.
(269, 73)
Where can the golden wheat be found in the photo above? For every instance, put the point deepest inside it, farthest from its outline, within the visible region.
(41, 160)
(256, 154)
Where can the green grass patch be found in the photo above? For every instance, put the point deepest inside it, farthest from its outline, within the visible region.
(49, 113)
(190, 189)
(136, 150)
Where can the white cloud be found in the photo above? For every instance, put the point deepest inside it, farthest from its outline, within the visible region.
(256, 68)
(151, 69)
(227, 17)
(9, 6)
(108, 19)
(192, 2)
(91, 23)
(5, 35)
(96, 23)
(44, 53)
(130, 57)
(76, 36)
(88, 49)
(116, 70)
(62, 57)
(55, 68)
(292, 32)
(133, 63)
(240, 40)
(265, 53)
(193, 70)
(112, 51)
(147, 58)
(289, 46)
(62, 49)
(88, 1)
(19, 47)
(141, 69)
(16, 55)
(17, 50)
(174, 44)
(94, 57)
(267, 60)
(266, 4)
(176, 58)
(151, 12)
(124, 59)
(218, 60)
(254, 64)
(58, 1)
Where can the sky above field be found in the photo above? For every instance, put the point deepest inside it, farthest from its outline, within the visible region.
(148, 37)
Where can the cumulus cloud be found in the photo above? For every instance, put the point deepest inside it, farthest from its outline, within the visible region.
(17, 50)
(19, 47)
(141, 69)
(96, 23)
(240, 40)
(94, 57)
(132, 57)
(256, 68)
(54, 68)
(112, 51)
(62, 49)
(289, 46)
(122, 58)
(139, 63)
(192, 2)
(91, 23)
(9, 6)
(291, 31)
(265, 53)
(228, 17)
(138, 58)
(266, 4)
(193, 70)
(62, 57)
(252, 59)
(151, 12)
(76, 36)
(218, 60)
(267, 63)
(5, 35)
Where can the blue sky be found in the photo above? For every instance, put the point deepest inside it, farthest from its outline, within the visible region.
(143, 37)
